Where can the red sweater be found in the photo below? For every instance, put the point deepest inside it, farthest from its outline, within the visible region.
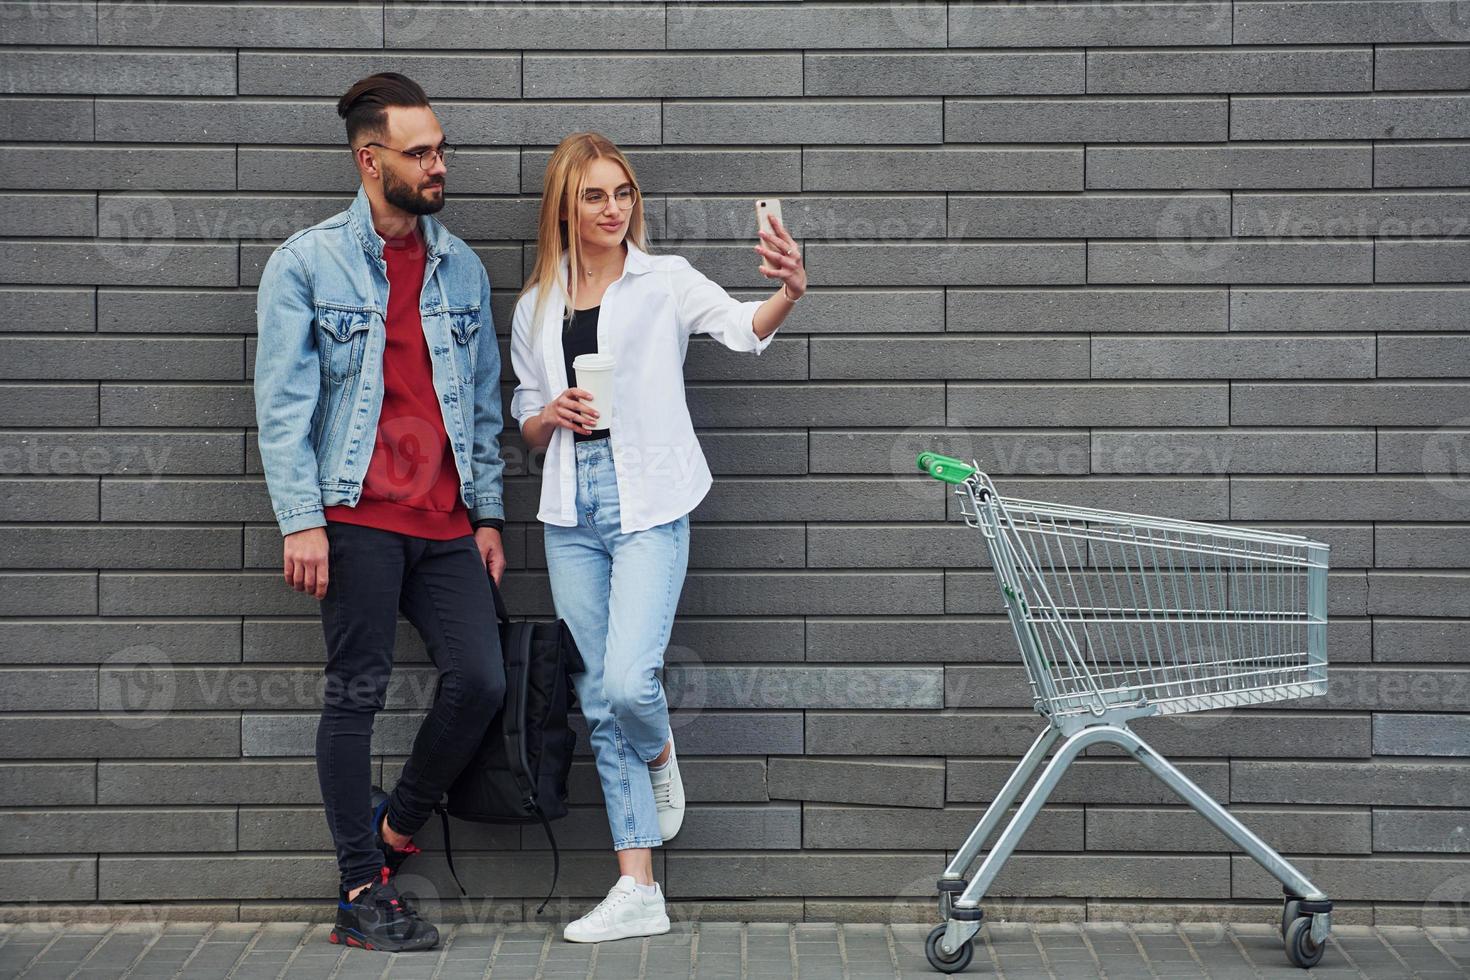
(412, 485)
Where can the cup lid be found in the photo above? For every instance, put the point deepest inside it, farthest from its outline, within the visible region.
(592, 362)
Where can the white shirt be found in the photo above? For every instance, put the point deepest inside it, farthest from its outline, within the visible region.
(646, 318)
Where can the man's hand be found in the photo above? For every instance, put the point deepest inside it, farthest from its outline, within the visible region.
(306, 561)
(492, 551)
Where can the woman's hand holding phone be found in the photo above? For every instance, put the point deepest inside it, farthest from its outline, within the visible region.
(781, 257)
(572, 409)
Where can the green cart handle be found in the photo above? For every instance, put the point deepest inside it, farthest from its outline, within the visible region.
(945, 468)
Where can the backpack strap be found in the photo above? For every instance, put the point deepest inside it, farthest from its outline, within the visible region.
(501, 614)
(550, 836)
(448, 851)
(571, 654)
(555, 856)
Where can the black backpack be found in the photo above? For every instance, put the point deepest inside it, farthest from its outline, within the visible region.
(519, 775)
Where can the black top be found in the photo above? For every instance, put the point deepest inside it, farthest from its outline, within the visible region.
(581, 338)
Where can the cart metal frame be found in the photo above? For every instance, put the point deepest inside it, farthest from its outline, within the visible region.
(1121, 616)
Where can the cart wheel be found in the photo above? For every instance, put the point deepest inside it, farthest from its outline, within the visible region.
(1300, 949)
(947, 963)
(1290, 910)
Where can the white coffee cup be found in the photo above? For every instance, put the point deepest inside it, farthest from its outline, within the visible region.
(595, 373)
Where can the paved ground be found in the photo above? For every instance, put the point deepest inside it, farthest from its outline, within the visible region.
(812, 951)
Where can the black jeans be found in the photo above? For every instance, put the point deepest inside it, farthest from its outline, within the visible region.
(443, 588)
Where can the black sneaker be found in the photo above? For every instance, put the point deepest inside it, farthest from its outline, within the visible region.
(393, 857)
(379, 918)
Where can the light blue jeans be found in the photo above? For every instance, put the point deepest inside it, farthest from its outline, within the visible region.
(617, 593)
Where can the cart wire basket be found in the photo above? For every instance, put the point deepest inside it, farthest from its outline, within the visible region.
(1121, 616)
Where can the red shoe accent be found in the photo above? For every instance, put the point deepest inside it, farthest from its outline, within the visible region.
(409, 848)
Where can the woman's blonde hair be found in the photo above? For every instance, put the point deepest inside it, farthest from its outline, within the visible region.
(561, 190)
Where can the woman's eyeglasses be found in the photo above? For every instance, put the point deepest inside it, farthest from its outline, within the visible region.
(595, 200)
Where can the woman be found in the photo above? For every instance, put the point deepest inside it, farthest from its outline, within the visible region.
(615, 500)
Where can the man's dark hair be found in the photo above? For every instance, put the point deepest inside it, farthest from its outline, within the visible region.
(365, 106)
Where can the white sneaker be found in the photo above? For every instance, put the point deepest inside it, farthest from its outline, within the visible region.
(668, 796)
(625, 912)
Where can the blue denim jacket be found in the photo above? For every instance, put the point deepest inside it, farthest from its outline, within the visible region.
(319, 364)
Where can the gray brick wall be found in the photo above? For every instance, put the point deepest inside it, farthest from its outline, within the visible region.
(1204, 259)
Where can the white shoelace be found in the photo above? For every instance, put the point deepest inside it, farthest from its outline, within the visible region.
(663, 784)
(663, 792)
(606, 906)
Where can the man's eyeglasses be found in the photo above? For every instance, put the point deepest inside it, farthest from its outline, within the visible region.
(426, 156)
(595, 200)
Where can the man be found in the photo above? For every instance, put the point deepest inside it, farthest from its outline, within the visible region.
(377, 394)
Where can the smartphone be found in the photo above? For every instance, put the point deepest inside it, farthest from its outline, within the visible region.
(764, 208)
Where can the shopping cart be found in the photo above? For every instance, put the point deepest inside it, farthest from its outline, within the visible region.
(1122, 616)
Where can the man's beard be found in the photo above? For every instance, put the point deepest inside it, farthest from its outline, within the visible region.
(411, 199)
